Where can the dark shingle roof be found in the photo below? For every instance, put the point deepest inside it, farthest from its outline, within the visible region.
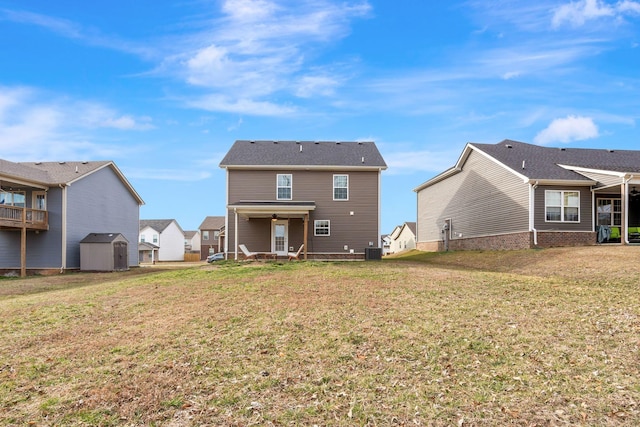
(542, 162)
(157, 224)
(303, 153)
(102, 237)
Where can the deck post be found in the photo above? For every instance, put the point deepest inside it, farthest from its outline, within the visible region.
(23, 245)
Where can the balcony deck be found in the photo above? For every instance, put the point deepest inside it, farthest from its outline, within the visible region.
(14, 217)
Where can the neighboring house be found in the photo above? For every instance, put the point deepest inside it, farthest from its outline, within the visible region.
(283, 194)
(211, 233)
(47, 208)
(192, 241)
(513, 195)
(167, 235)
(386, 244)
(403, 238)
(147, 252)
(392, 238)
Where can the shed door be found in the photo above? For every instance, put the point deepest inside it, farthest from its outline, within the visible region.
(120, 257)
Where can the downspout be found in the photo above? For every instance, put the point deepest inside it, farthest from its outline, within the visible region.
(532, 204)
(626, 209)
(63, 252)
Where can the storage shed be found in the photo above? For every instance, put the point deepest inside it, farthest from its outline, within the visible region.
(104, 252)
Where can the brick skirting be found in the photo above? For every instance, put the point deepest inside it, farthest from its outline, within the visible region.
(546, 239)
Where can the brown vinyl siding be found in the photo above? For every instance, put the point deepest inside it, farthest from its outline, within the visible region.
(355, 231)
(586, 213)
(482, 199)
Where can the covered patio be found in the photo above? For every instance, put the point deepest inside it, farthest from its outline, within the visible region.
(270, 226)
(617, 211)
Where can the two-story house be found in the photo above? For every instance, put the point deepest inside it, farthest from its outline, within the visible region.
(284, 194)
(47, 208)
(167, 235)
(211, 236)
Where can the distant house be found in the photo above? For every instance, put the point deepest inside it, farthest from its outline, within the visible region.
(513, 195)
(167, 235)
(192, 241)
(386, 244)
(284, 194)
(403, 238)
(211, 236)
(47, 208)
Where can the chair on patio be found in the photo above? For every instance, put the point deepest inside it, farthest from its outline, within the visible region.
(247, 253)
(296, 255)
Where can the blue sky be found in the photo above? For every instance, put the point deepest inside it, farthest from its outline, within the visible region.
(163, 88)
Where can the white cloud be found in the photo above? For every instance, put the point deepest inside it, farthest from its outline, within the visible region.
(571, 128)
(258, 47)
(578, 13)
(216, 102)
(37, 125)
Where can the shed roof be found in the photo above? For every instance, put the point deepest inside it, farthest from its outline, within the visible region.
(103, 238)
(315, 154)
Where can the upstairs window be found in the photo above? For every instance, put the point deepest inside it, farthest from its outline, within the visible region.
(155, 239)
(205, 234)
(562, 206)
(340, 187)
(284, 187)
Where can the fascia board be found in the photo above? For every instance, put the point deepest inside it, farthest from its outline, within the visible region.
(305, 167)
(591, 170)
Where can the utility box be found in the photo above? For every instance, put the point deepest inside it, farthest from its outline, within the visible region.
(372, 254)
(104, 252)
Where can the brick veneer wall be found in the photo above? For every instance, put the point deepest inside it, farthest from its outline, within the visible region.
(562, 238)
(514, 241)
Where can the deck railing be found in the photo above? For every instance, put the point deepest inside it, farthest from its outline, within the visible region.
(17, 217)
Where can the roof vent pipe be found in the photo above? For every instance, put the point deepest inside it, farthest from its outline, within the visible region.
(523, 164)
(362, 159)
(301, 148)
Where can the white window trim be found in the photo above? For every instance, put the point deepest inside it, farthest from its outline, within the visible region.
(562, 206)
(315, 227)
(278, 187)
(612, 213)
(334, 187)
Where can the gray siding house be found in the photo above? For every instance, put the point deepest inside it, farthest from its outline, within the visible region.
(47, 208)
(283, 194)
(514, 195)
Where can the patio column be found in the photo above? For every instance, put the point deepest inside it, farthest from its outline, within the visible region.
(306, 234)
(624, 222)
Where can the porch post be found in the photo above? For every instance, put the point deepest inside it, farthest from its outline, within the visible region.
(306, 234)
(23, 245)
(624, 222)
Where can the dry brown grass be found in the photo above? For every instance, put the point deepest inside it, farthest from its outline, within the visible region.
(547, 337)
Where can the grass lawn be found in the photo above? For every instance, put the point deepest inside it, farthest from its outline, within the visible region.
(530, 338)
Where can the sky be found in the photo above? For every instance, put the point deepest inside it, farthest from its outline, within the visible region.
(164, 88)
